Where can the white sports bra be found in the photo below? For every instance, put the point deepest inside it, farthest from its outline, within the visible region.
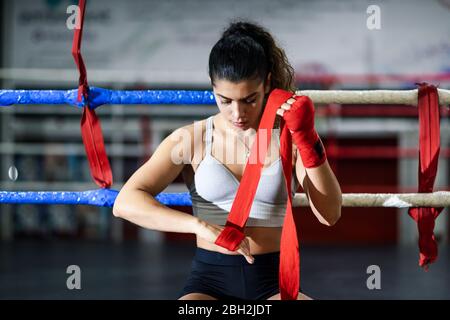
(214, 188)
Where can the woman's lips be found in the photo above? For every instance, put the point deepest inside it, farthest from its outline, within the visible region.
(240, 124)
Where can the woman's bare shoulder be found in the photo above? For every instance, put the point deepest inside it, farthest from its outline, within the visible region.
(192, 136)
(195, 131)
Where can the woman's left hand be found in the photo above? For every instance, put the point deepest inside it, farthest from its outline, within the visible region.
(298, 116)
(298, 113)
(286, 106)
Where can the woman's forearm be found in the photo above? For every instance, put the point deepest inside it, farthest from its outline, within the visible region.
(324, 193)
(141, 208)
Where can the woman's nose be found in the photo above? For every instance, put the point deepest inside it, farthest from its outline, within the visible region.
(238, 112)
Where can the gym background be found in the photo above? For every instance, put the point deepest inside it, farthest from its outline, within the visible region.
(165, 45)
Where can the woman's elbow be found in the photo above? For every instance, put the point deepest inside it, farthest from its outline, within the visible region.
(332, 218)
(118, 208)
(332, 214)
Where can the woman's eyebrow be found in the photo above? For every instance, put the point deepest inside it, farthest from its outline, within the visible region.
(249, 96)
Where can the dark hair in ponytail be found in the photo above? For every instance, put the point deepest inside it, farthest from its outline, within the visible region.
(248, 51)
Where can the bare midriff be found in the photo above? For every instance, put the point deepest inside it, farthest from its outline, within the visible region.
(262, 240)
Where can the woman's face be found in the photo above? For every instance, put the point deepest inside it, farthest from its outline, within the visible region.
(241, 104)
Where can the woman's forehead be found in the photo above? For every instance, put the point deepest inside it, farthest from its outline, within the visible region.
(237, 90)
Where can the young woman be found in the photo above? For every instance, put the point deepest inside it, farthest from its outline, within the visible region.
(244, 66)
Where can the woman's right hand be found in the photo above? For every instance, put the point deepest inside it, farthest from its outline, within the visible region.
(210, 232)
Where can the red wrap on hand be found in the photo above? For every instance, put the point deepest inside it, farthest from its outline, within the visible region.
(230, 237)
(300, 121)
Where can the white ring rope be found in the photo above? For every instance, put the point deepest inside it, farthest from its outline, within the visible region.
(391, 200)
(408, 97)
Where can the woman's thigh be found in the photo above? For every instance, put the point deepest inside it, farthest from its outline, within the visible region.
(197, 296)
(300, 296)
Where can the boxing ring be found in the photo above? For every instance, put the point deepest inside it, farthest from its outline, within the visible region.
(88, 98)
(105, 197)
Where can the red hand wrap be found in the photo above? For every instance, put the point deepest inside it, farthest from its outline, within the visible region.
(300, 121)
(230, 237)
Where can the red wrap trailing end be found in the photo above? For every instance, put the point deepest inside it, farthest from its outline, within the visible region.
(232, 235)
(429, 146)
(91, 130)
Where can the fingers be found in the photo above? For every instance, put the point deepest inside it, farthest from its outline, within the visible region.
(244, 249)
(290, 100)
(244, 246)
(247, 257)
(280, 112)
(285, 106)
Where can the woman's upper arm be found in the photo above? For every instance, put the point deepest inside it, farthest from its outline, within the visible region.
(165, 164)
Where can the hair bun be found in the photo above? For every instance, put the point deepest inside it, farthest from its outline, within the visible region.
(240, 28)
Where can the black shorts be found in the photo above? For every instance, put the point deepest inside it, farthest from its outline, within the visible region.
(231, 277)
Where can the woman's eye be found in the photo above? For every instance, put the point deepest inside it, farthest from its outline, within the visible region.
(248, 102)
